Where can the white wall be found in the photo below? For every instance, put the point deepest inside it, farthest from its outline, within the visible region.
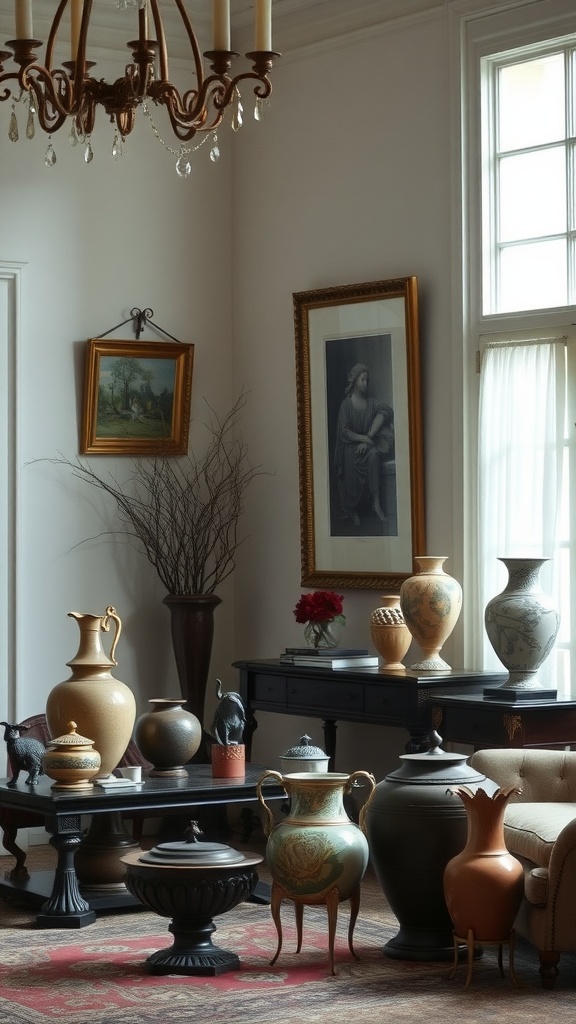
(97, 240)
(347, 181)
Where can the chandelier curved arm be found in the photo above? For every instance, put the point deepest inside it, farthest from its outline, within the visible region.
(163, 49)
(55, 27)
(8, 76)
(54, 94)
(263, 89)
(188, 114)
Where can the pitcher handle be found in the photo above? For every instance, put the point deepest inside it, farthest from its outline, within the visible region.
(368, 777)
(111, 614)
(267, 775)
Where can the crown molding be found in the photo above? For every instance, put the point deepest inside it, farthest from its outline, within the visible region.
(296, 23)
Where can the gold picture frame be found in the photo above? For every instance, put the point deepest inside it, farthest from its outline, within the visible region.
(136, 398)
(361, 502)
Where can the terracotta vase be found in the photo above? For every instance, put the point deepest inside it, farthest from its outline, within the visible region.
(483, 884)
(431, 602)
(103, 707)
(168, 736)
(522, 624)
(390, 634)
(192, 628)
(228, 760)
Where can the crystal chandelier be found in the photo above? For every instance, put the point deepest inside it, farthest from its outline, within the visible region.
(70, 94)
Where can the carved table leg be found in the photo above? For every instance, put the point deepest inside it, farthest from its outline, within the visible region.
(19, 873)
(65, 908)
(98, 860)
(329, 729)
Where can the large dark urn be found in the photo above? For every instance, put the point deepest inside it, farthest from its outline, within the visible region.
(414, 827)
(192, 627)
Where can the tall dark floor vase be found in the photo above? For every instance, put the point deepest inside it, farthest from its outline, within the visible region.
(192, 626)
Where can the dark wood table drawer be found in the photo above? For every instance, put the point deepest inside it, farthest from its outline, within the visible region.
(269, 688)
(330, 697)
(393, 705)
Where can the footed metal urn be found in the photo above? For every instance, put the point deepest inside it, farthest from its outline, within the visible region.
(191, 882)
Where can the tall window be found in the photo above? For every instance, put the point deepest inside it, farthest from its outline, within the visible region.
(529, 213)
(526, 337)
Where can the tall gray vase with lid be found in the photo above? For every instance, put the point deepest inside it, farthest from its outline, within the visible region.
(522, 625)
(414, 827)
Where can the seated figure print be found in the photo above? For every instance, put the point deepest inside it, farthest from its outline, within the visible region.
(364, 442)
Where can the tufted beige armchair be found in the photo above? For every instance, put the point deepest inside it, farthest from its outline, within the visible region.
(540, 829)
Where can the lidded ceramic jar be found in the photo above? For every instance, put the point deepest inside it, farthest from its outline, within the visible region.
(168, 736)
(304, 757)
(414, 827)
(71, 760)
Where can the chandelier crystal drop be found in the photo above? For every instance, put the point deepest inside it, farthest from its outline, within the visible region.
(70, 92)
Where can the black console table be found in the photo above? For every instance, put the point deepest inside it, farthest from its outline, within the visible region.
(399, 698)
(484, 722)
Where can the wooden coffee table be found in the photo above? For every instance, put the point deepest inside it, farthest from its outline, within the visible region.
(57, 894)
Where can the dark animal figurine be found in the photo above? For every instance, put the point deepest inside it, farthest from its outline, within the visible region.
(25, 754)
(230, 717)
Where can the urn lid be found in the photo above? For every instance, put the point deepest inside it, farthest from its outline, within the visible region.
(192, 852)
(305, 750)
(435, 767)
(71, 738)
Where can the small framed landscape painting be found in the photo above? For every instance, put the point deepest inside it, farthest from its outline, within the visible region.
(136, 398)
(359, 434)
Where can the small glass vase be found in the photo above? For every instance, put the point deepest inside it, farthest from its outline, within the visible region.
(323, 635)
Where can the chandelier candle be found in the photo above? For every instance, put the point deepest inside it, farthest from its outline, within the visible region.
(75, 23)
(221, 24)
(263, 39)
(23, 12)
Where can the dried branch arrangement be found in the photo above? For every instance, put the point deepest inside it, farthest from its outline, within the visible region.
(185, 511)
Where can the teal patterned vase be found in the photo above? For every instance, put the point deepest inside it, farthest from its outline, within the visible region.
(317, 848)
(431, 602)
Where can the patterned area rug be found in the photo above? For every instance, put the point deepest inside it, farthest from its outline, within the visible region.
(97, 975)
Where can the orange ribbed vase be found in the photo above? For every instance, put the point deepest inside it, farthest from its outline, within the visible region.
(483, 885)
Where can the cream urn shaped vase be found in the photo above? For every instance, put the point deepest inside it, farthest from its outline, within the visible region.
(431, 602)
(103, 707)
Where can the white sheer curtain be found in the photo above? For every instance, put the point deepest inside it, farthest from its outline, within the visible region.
(521, 438)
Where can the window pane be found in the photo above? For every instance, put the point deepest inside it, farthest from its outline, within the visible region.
(533, 276)
(561, 661)
(564, 577)
(531, 103)
(533, 194)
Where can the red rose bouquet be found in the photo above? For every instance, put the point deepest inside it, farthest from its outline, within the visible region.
(320, 611)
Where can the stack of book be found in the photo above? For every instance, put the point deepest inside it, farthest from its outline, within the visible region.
(334, 657)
